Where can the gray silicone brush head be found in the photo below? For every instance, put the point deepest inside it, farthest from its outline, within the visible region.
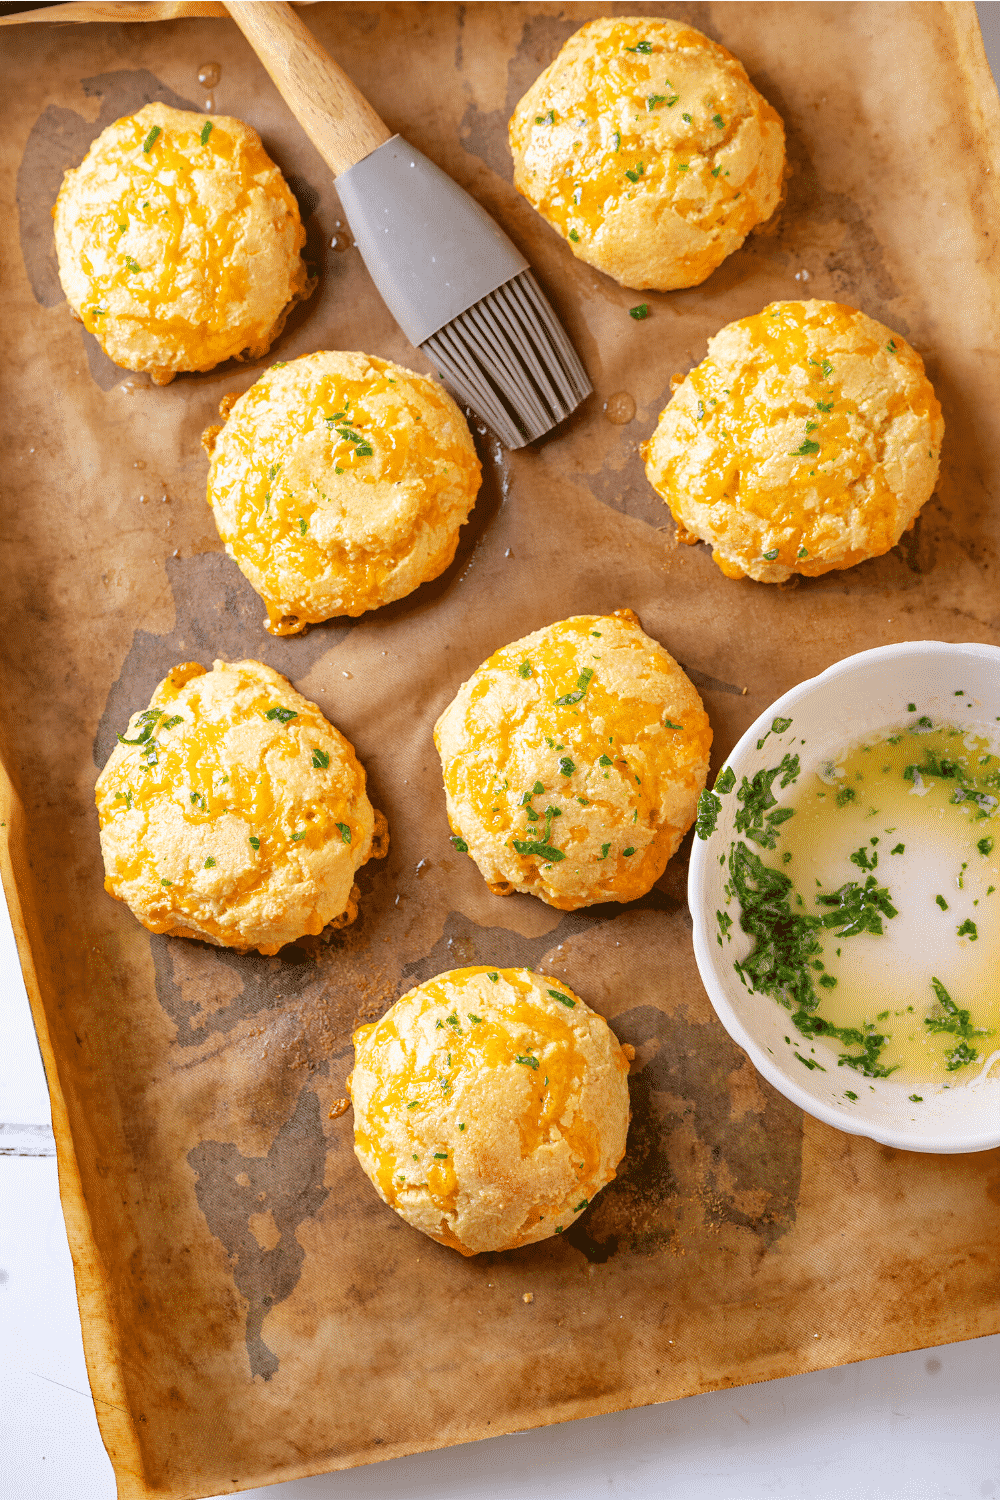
(461, 291)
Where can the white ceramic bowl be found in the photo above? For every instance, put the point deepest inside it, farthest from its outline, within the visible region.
(855, 698)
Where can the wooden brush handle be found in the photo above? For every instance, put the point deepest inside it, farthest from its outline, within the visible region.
(337, 118)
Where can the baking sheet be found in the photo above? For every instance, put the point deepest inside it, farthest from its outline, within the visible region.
(251, 1311)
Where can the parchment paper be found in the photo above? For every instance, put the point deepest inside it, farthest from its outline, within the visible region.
(251, 1310)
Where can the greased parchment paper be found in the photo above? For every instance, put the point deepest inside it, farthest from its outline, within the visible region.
(251, 1310)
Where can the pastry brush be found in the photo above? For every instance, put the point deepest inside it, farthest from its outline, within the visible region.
(449, 275)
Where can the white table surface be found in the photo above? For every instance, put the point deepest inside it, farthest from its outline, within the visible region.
(917, 1426)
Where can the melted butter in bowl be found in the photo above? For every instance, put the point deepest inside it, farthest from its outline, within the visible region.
(891, 854)
(845, 889)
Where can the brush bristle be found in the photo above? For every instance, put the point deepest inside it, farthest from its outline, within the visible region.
(508, 358)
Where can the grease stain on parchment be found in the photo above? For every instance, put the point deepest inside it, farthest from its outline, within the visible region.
(321, 984)
(683, 1155)
(712, 1149)
(855, 266)
(248, 1200)
(463, 943)
(221, 617)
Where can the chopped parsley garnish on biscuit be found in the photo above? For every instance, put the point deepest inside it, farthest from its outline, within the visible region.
(582, 684)
(540, 850)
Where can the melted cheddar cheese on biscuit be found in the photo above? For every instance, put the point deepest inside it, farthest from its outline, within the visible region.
(573, 761)
(231, 810)
(339, 483)
(646, 146)
(490, 1107)
(178, 242)
(807, 440)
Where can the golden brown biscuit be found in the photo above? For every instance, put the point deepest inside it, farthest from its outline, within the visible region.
(340, 483)
(573, 760)
(807, 440)
(647, 147)
(490, 1107)
(178, 242)
(232, 811)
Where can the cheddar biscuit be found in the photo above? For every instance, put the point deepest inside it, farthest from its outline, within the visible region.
(232, 811)
(490, 1107)
(807, 440)
(573, 760)
(339, 483)
(646, 146)
(178, 242)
